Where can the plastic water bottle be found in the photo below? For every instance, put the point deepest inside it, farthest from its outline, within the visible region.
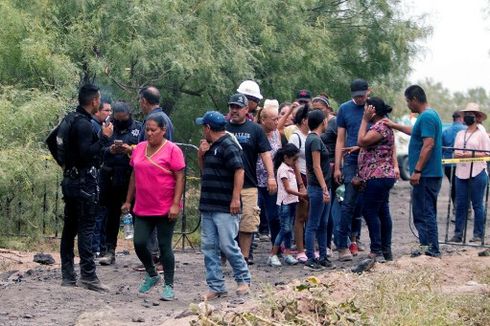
(127, 221)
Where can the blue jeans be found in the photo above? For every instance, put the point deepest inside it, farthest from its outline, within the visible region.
(424, 209)
(316, 225)
(268, 202)
(335, 215)
(99, 237)
(476, 194)
(286, 215)
(218, 233)
(348, 207)
(377, 213)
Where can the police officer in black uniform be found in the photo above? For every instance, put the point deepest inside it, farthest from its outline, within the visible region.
(116, 172)
(81, 190)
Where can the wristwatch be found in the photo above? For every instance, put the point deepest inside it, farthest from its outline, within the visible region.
(417, 171)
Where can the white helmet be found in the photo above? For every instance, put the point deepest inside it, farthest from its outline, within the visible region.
(251, 88)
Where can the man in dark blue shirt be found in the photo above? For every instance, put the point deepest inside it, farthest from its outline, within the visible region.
(349, 119)
(149, 100)
(448, 137)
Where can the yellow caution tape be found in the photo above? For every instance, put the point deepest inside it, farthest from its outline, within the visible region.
(466, 160)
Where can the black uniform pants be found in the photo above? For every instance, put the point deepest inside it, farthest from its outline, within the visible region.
(80, 213)
(115, 197)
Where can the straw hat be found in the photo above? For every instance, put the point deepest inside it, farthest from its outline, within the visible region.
(473, 107)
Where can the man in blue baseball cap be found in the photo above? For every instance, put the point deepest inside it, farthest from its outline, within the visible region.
(222, 175)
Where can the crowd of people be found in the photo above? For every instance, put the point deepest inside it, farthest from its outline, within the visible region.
(297, 174)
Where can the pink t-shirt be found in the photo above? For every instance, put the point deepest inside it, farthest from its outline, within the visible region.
(283, 197)
(155, 187)
(475, 140)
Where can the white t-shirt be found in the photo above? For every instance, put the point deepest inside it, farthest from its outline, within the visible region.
(283, 197)
(299, 140)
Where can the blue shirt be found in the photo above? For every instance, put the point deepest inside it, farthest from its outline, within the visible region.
(169, 134)
(428, 125)
(349, 117)
(448, 137)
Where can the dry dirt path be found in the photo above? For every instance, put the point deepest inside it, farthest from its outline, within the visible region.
(33, 296)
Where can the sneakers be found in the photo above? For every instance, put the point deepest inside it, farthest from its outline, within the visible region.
(360, 245)
(354, 249)
(290, 260)
(345, 255)
(274, 261)
(211, 295)
(301, 257)
(327, 263)
(313, 265)
(388, 255)
(475, 239)
(108, 259)
(148, 283)
(243, 289)
(329, 252)
(456, 239)
(167, 293)
(93, 285)
(379, 258)
(68, 282)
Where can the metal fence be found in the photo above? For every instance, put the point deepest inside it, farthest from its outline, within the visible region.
(36, 209)
(450, 207)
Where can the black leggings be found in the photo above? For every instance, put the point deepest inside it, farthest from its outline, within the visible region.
(143, 227)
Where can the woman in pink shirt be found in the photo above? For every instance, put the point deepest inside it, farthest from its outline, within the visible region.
(156, 184)
(472, 138)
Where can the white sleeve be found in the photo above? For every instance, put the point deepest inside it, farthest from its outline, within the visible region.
(294, 140)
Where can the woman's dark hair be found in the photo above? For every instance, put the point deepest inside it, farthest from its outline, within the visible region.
(301, 114)
(381, 108)
(283, 105)
(158, 118)
(288, 150)
(120, 107)
(322, 99)
(315, 118)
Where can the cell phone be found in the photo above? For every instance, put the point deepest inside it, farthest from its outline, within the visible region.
(118, 142)
(107, 120)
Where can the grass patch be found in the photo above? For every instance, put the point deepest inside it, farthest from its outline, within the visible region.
(411, 297)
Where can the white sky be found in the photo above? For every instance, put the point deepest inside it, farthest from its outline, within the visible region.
(458, 52)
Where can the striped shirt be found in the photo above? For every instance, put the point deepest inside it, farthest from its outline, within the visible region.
(219, 165)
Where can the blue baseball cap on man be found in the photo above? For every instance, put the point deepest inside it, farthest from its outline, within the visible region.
(212, 118)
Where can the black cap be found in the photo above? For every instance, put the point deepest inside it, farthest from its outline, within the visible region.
(358, 87)
(303, 94)
(238, 99)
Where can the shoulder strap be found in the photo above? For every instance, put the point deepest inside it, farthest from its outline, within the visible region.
(299, 139)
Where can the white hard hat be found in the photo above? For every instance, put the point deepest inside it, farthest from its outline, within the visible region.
(249, 87)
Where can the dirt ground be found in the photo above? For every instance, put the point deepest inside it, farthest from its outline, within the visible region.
(31, 294)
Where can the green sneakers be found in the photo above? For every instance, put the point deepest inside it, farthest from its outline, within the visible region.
(148, 283)
(167, 293)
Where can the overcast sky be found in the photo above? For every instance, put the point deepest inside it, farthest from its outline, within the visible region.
(458, 52)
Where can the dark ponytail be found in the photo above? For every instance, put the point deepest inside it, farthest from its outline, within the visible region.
(288, 150)
(301, 114)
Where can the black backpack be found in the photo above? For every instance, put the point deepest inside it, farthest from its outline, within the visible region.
(58, 138)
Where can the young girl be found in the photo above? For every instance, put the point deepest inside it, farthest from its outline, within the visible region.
(287, 197)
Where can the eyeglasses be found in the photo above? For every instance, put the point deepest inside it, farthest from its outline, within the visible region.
(253, 99)
(235, 107)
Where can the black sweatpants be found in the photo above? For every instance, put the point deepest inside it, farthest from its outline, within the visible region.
(143, 228)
